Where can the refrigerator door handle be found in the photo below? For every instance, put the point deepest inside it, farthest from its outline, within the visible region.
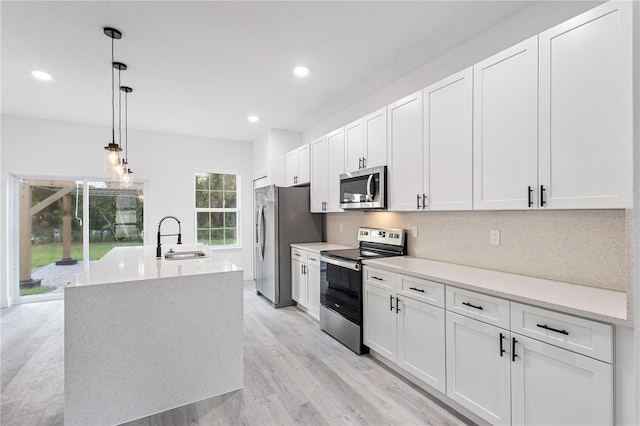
(261, 233)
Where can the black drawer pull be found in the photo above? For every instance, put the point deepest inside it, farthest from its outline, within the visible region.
(472, 306)
(391, 302)
(546, 327)
(529, 194)
(311, 258)
(513, 349)
(502, 350)
(373, 277)
(542, 201)
(416, 289)
(297, 254)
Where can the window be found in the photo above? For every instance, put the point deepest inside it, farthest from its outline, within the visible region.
(217, 209)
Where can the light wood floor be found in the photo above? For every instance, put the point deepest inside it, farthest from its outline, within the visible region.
(293, 374)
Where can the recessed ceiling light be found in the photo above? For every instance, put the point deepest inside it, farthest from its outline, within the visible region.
(41, 75)
(301, 71)
(253, 118)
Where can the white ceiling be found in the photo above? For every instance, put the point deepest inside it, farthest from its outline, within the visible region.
(200, 68)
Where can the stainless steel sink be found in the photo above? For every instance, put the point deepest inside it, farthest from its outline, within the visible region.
(184, 255)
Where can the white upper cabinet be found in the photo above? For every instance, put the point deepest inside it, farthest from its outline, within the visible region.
(375, 138)
(335, 152)
(366, 141)
(319, 173)
(354, 145)
(586, 110)
(297, 166)
(448, 143)
(505, 129)
(404, 178)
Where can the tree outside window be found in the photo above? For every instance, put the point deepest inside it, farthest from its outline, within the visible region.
(216, 204)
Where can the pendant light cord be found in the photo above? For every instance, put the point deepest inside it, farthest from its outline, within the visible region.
(113, 106)
(119, 108)
(126, 126)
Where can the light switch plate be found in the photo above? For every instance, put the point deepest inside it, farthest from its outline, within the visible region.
(495, 237)
(414, 231)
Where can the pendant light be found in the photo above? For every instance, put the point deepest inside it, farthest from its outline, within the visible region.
(119, 168)
(112, 150)
(127, 175)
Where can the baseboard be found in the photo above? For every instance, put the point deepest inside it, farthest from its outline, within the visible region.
(5, 302)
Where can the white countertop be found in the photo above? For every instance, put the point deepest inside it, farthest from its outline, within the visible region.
(134, 263)
(590, 302)
(318, 247)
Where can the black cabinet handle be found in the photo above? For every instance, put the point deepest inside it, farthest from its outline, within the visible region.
(397, 305)
(513, 349)
(418, 201)
(529, 195)
(359, 163)
(542, 201)
(311, 258)
(502, 350)
(472, 306)
(416, 289)
(391, 302)
(546, 327)
(424, 201)
(364, 163)
(297, 254)
(373, 277)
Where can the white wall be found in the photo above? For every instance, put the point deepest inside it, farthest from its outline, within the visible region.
(166, 163)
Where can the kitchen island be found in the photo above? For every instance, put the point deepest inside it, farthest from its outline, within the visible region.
(145, 335)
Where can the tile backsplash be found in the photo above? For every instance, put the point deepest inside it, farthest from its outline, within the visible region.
(586, 247)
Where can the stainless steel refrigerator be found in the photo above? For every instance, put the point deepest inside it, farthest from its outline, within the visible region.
(282, 218)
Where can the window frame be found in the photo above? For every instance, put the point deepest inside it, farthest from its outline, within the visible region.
(236, 210)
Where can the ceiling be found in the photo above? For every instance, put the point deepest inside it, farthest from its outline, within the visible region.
(200, 68)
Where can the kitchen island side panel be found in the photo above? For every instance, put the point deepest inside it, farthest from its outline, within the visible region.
(133, 349)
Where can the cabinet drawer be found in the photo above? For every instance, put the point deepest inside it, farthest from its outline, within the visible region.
(297, 254)
(419, 289)
(587, 337)
(312, 259)
(489, 309)
(379, 278)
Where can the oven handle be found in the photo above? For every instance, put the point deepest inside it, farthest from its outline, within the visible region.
(354, 266)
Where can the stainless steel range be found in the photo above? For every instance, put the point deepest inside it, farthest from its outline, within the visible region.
(341, 283)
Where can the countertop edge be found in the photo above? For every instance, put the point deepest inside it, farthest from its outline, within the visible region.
(585, 313)
(319, 246)
(159, 280)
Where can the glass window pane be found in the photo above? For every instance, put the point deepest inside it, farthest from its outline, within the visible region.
(229, 200)
(217, 237)
(215, 181)
(216, 199)
(202, 199)
(230, 220)
(229, 236)
(202, 181)
(229, 182)
(203, 236)
(217, 219)
(203, 220)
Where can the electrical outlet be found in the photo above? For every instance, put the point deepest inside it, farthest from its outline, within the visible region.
(495, 237)
(341, 225)
(414, 231)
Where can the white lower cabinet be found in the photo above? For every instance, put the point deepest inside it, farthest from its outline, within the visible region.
(305, 280)
(478, 371)
(408, 332)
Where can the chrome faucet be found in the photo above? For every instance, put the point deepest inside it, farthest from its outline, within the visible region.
(179, 234)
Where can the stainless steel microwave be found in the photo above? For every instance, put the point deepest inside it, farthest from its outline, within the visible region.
(364, 189)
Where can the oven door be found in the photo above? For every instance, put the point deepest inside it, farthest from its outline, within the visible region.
(341, 288)
(364, 189)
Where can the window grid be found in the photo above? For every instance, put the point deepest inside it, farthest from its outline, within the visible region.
(216, 206)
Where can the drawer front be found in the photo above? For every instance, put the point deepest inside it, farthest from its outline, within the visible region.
(297, 254)
(481, 307)
(587, 337)
(423, 290)
(379, 278)
(312, 259)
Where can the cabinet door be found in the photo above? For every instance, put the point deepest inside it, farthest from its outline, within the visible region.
(304, 164)
(296, 280)
(319, 169)
(313, 291)
(505, 128)
(421, 341)
(448, 142)
(405, 152)
(380, 321)
(478, 373)
(291, 168)
(375, 138)
(585, 110)
(553, 386)
(335, 150)
(354, 145)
